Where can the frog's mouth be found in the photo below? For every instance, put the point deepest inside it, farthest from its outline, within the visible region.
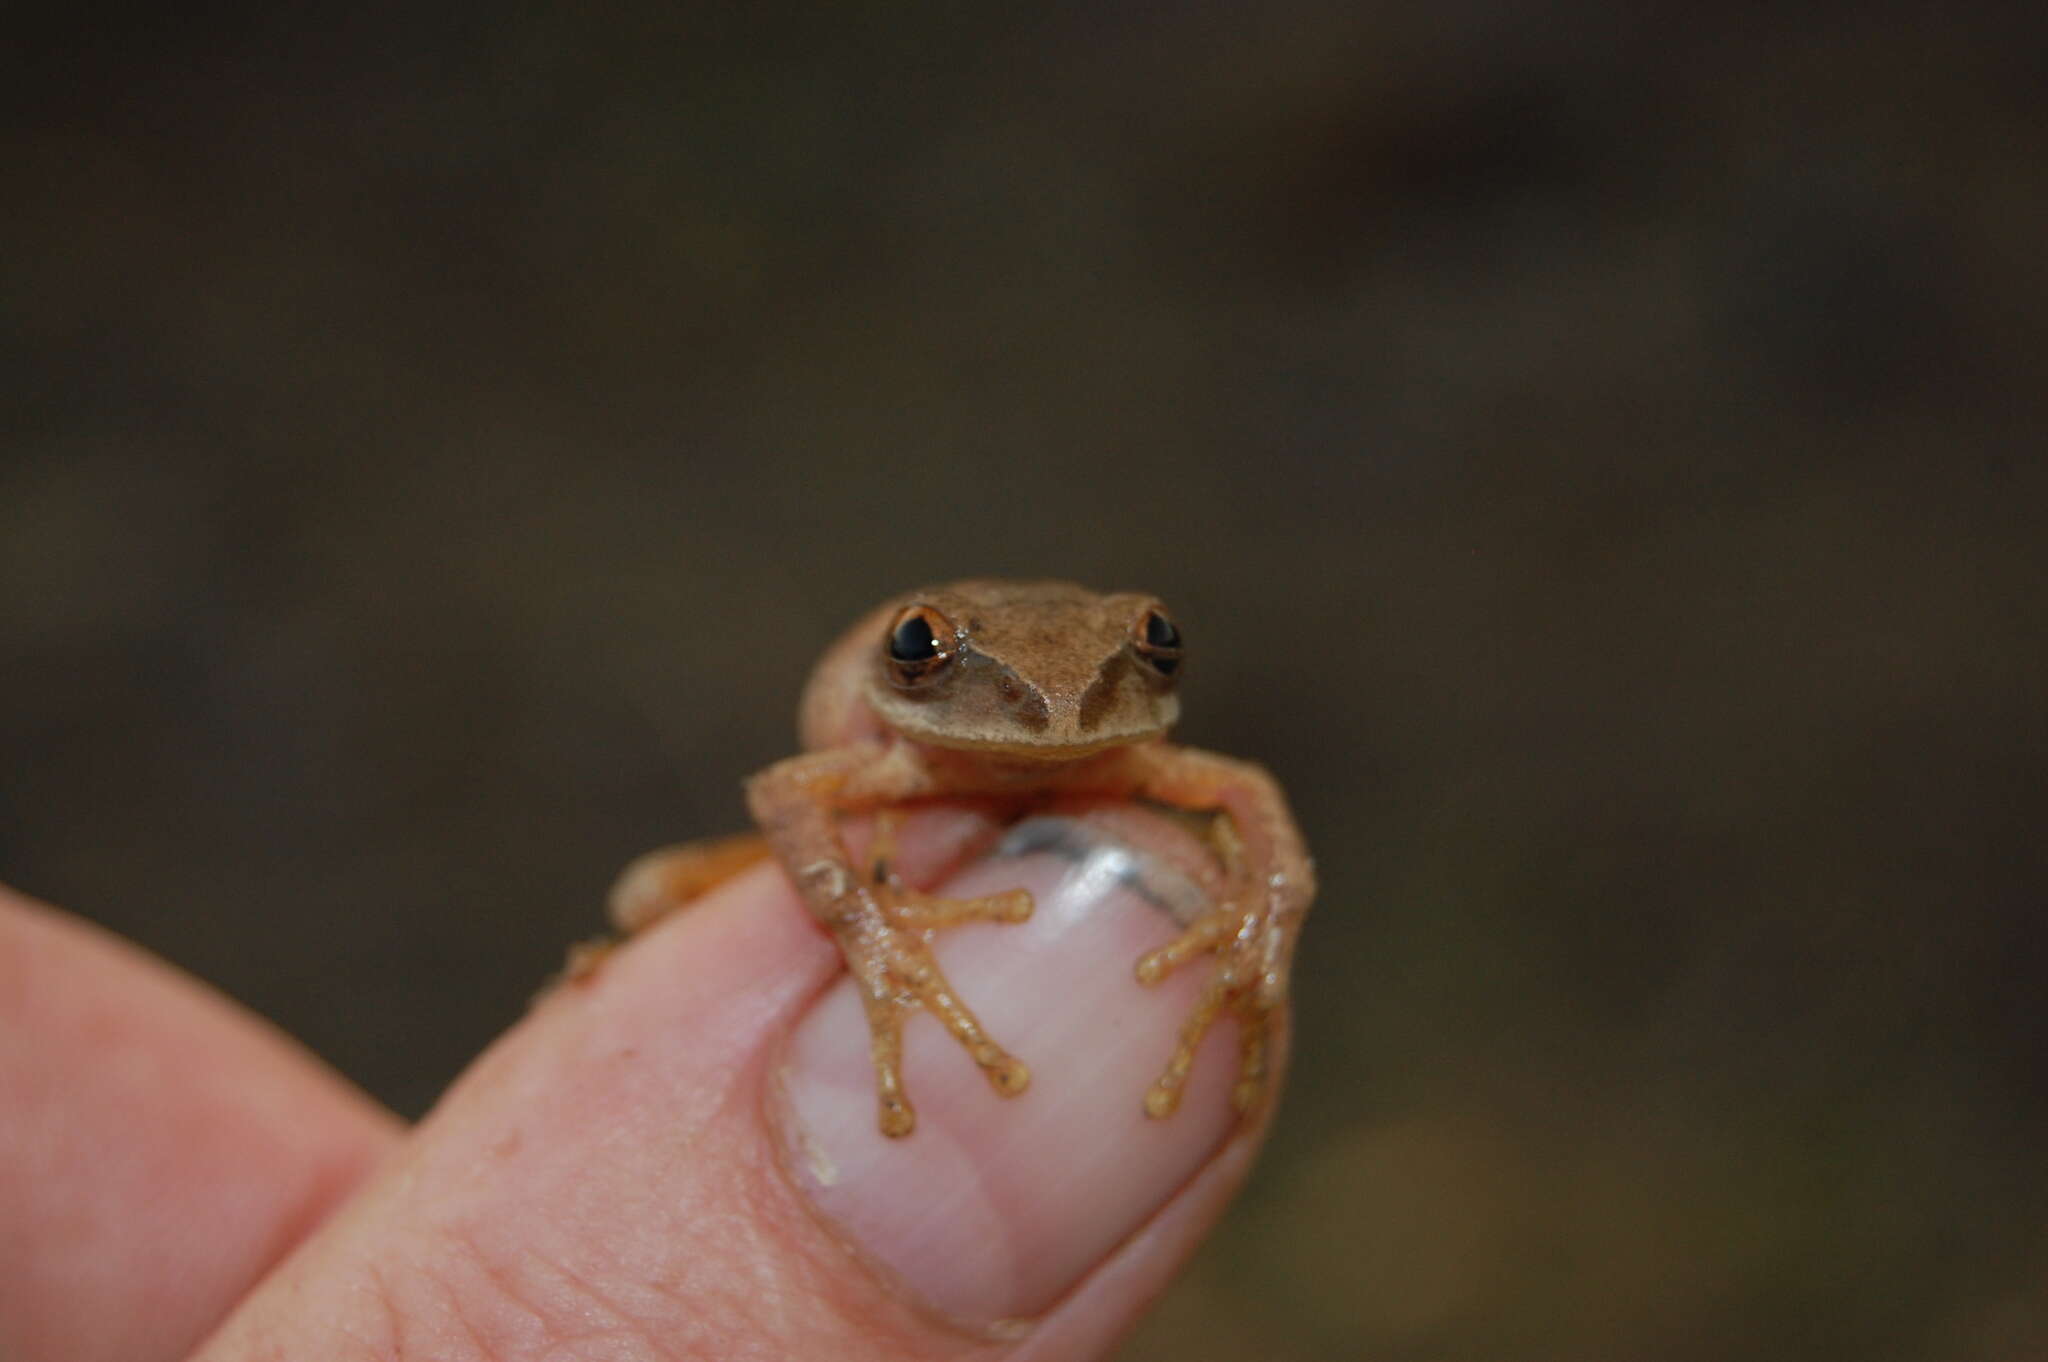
(1003, 714)
(1034, 751)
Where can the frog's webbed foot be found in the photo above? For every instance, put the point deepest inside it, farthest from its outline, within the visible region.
(651, 888)
(662, 881)
(1248, 982)
(884, 929)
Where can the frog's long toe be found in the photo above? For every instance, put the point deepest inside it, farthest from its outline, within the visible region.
(1164, 1097)
(1251, 1059)
(896, 1116)
(914, 910)
(914, 965)
(1203, 936)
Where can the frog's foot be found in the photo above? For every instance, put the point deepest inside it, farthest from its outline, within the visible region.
(886, 943)
(1244, 984)
(660, 882)
(582, 961)
(651, 888)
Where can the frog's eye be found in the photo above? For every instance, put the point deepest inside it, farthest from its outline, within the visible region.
(1156, 639)
(919, 644)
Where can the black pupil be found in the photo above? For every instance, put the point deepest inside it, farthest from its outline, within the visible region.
(913, 641)
(1159, 631)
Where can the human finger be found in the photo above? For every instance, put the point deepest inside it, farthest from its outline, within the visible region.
(160, 1149)
(679, 1158)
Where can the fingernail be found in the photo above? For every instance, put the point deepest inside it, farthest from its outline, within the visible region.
(993, 1207)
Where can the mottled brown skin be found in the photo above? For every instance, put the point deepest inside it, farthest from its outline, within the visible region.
(1028, 690)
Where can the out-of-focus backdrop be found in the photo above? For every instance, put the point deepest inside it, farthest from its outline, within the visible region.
(1592, 447)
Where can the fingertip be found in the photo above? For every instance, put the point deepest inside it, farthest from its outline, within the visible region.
(649, 1148)
(994, 1210)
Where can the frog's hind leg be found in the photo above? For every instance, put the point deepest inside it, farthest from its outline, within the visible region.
(657, 884)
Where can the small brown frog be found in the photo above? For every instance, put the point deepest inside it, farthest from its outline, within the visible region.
(1013, 692)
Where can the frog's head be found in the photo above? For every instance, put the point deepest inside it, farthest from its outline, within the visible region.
(1032, 670)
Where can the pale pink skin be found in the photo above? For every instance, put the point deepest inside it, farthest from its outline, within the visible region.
(609, 1179)
(160, 1149)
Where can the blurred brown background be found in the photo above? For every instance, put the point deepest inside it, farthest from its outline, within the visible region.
(1591, 447)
